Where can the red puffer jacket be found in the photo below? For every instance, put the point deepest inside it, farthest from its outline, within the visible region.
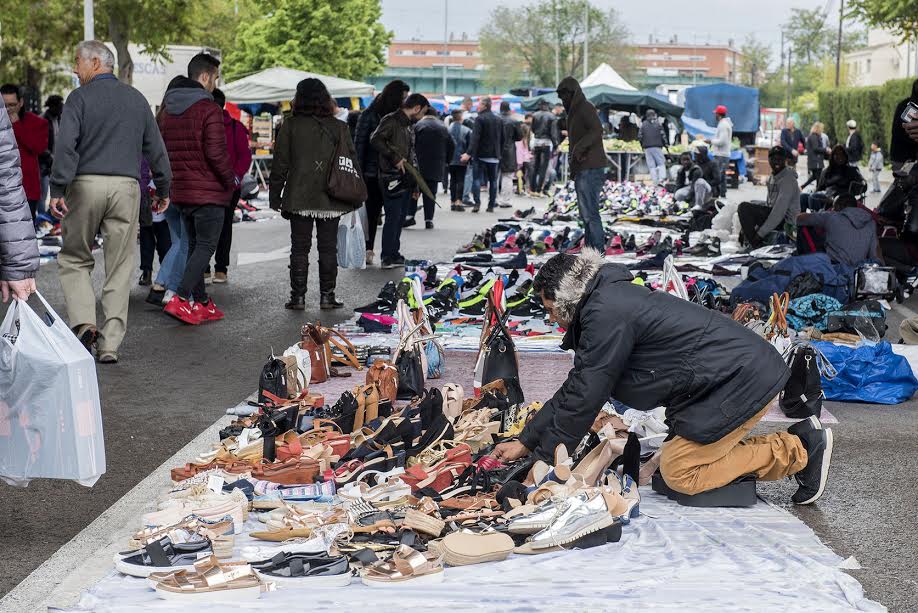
(192, 128)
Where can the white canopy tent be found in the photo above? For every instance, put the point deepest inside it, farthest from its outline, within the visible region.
(279, 84)
(606, 75)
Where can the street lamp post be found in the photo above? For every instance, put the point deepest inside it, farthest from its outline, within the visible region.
(445, 42)
(586, 41)
(89, 32)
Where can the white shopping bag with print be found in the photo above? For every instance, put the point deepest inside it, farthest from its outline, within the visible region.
(50, 415)
(351, 242)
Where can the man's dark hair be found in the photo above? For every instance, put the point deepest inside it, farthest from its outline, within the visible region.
(415, 100)
(844, 201)
(431, 112)
(547, 282)
(504, 106)
(685, 156)
(201, 63)
(543, 105)
(219, 97)
(457, 114)
(485, 103)
(776, 152)
(10, 88)
(468, 99)
(390, 98)
(838, 151)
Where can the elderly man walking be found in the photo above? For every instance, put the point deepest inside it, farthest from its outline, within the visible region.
(105, 129)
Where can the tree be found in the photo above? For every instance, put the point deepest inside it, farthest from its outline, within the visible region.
(522, 41)
(813, 37)
(344, 38)
(899, 16)
(37, 41)
(756, 58)
(152, 24)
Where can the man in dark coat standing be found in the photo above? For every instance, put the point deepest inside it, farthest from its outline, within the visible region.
(587, 158)
(511, 134)
(484, 149)
(434, 147)
(647, 348)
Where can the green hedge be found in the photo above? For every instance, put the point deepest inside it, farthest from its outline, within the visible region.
(871, 107)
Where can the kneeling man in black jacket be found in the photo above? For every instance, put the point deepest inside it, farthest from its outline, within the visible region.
(647, 348)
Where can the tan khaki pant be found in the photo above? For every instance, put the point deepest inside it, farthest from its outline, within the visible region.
(691, 467)
(110, 205)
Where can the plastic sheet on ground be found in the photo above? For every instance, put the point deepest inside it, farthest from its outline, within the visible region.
(672, 558)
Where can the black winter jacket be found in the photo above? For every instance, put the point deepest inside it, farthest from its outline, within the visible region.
(511, 134)
(367, 156)
(433, 146)
(901, 147)
(647, 349)
(651, 135)
(394, 140)
(545, 125)
(486, 136)
(583, 130)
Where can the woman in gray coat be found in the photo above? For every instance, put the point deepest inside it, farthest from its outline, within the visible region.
(18, 249)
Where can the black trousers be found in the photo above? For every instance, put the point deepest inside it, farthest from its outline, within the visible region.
(225, 244)
(154, 238)
(429, 205)
(751, 216)
(456, 182)
(374, 205)
(203, 224)
(541, 156)
(327, 243)
(814, 176)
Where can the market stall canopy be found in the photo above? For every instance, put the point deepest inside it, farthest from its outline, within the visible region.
(603, 96)
(279, 84)
(606, 75)
(742, 105)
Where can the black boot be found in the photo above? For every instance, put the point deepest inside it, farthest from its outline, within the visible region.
(328, 301)
(299, 269)
(146, 278)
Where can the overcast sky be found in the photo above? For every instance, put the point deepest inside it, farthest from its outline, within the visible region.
(714, 20)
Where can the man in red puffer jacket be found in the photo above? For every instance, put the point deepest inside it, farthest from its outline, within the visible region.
(202, 179)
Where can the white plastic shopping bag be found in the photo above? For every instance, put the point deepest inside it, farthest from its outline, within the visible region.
(672, 280)
(351, 242)
(50, 415)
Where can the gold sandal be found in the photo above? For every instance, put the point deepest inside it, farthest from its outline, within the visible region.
(406, 565)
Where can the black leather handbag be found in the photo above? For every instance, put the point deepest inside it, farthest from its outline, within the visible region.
(500, 358)
(410, 374)
(802, 395)
(272, 384)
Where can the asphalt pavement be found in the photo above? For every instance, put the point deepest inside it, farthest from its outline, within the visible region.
(174, 381)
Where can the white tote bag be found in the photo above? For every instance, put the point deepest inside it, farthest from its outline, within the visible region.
(351, 242)
(50, 415)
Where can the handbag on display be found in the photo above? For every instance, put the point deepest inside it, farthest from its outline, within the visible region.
(434, 354)
(384, 374)
(272, 384)
(314, 339)
(409, 356)
(802, 395)
(497, 358)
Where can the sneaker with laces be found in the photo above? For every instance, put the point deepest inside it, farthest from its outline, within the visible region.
(812, 477)
(207, 311)
(182, 310)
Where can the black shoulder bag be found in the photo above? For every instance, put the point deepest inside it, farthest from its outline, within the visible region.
(344, 181)
(802, 395)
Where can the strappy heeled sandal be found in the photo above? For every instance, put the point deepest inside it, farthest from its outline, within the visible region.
(406, 565)
(211, 581)
(453, 396)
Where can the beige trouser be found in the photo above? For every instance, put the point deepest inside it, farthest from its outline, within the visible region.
(111, 205)
(691, 467)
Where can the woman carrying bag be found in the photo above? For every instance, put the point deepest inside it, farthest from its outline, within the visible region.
(306, 147)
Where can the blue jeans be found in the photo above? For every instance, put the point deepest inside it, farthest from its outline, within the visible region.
(588, 184)
(656, 164)
(485, 171)
(467, 184)
(722, 163)
(395, 208)
(173, 265)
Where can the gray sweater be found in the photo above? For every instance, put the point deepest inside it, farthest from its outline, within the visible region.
(18, 249)
(784, 200)
(106, 126)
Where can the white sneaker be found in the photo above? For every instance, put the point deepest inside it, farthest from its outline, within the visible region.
(319, 544)
(371, 255)
(168, 296)
(208, 278)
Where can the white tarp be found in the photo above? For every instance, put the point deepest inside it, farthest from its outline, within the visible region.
(606, 75)
(672, 558)
(279, 84)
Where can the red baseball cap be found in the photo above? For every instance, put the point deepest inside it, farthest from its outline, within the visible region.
(721, 109)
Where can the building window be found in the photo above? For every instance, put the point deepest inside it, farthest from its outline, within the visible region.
(418, 52)
(868, 64)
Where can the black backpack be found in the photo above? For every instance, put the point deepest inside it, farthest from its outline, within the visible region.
(272, 385)
(802, 395)
(804, 284)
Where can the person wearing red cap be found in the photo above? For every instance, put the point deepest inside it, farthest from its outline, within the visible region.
(720, 146)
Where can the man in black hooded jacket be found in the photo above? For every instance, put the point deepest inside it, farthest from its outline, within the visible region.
(647, 348)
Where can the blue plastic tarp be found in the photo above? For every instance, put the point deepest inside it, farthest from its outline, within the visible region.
(742, 105)
(867, 373)
(697, 126)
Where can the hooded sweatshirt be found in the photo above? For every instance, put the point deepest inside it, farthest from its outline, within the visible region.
(192, 128)
(851, 234)
(583, 128)
(721, 143)
(784, 199)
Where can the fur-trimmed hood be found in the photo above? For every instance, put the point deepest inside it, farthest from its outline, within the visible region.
(576, 281)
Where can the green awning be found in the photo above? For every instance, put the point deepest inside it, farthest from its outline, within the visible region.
(603, 96)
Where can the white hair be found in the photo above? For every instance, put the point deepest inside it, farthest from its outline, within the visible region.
(89, 49)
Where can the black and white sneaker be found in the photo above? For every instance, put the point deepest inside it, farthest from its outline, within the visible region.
(807, 425)
(812, 478)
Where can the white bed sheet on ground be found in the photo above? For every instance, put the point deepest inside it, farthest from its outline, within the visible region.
(672, 558)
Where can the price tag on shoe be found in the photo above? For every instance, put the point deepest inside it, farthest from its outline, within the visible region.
(215, 483)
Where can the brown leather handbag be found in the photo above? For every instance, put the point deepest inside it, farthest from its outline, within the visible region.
(384, 374)
(314, 338)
